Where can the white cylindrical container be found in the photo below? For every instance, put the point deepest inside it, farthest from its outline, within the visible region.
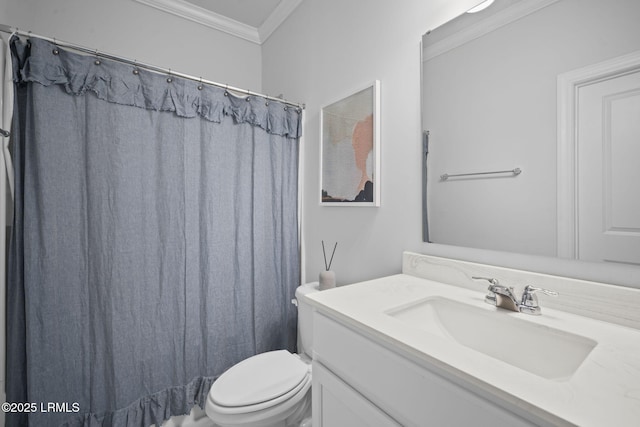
(327, 279)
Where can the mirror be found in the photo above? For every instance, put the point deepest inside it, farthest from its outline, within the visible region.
(503, 90)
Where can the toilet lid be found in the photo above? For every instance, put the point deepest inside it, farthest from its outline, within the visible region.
(259, 379)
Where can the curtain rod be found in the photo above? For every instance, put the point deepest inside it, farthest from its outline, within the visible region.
(11, 30)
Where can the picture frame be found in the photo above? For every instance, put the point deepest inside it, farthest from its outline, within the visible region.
(350, 149)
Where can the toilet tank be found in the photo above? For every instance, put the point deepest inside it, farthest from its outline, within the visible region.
(305, 319)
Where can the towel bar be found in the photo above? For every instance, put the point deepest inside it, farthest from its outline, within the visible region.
(516, 171)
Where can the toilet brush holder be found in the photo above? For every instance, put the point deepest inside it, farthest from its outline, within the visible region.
(327, 279)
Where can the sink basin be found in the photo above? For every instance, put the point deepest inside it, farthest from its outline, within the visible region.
(541, 350)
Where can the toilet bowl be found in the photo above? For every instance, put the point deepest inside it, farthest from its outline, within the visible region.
(271, 389)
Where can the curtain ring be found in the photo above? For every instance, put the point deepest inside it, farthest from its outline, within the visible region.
(55, 50)
(200, 85)
(169, 79)
(135, 67)
(226, 90)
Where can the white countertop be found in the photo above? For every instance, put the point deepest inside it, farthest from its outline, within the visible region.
(604, 391)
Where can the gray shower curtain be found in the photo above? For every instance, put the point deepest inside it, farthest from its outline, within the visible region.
(155, 238)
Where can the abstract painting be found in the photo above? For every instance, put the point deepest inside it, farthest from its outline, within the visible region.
(350, 149)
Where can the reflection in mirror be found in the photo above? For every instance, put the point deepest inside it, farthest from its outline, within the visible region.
(551, 87)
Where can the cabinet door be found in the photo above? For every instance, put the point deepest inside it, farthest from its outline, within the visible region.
(411, 394)
(337, 404)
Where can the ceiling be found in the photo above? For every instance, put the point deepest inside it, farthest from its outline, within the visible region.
(252, 20)
(250, 12)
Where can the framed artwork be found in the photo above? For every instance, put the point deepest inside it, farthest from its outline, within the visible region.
(350, 149)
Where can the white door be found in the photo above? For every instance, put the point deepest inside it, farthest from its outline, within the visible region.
(608, 170)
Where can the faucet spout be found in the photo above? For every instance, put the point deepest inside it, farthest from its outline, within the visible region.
(504, 297)
(499, 295)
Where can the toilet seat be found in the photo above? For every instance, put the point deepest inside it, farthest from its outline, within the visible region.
(263, 386)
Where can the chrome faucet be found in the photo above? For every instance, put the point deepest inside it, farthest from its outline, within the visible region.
(504, 297)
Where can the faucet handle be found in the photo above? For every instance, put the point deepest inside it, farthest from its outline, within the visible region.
(488, 279)
(530, 290)
(530, 300)
(490, 298)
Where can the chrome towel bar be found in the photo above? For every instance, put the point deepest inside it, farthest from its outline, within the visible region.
(516, 171)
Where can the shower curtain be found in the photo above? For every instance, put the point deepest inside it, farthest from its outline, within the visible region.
(155, 240)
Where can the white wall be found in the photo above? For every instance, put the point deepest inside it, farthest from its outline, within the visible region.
(135, 31)
(323, 51)
(3, 8)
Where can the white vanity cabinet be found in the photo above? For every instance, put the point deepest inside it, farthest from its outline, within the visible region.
(359, 382)
(412, 349)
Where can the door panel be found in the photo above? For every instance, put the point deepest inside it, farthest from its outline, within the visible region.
(608, 125)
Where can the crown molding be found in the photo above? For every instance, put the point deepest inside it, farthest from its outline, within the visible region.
(203, 16)
(485, 26)
(277, 17)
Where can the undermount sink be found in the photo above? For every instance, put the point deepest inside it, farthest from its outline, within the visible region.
(541, 350)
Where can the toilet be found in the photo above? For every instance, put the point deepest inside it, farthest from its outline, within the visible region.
(271, 389)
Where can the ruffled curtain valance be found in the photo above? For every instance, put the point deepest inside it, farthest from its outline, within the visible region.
(47, 64)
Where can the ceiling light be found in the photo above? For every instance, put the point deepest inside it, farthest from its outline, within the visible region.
(481, 6)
